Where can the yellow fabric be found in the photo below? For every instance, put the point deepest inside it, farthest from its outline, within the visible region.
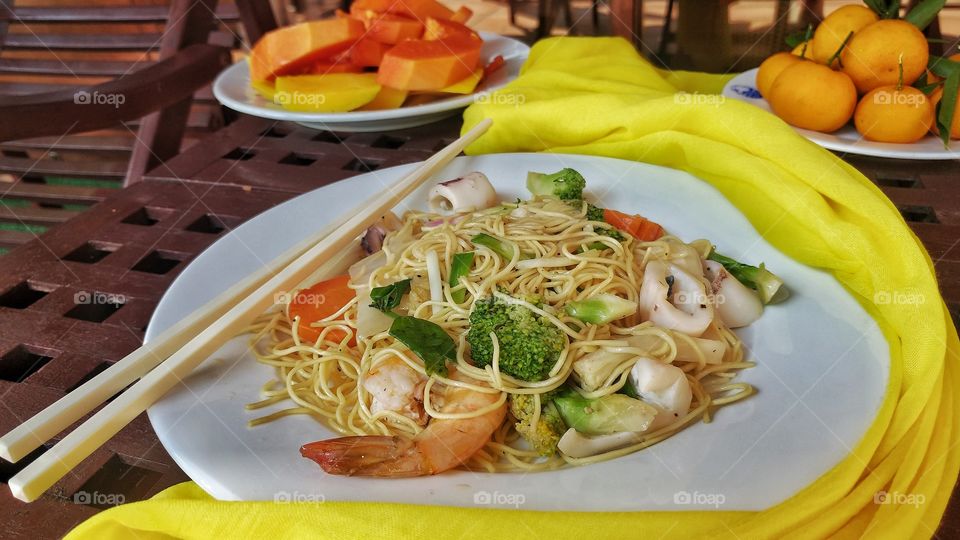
(597, 96)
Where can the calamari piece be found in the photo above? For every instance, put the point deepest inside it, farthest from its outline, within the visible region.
(578, 445)
(685, 256)
(737, 305)
(684, 306)
(472, 191)
(665, 387)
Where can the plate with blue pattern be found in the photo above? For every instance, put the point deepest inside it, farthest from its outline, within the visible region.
(846, 140)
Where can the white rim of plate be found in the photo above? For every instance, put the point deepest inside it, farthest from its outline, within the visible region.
(830, 141)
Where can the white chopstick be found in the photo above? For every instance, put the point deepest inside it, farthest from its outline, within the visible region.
(40, 475)
(58, 416)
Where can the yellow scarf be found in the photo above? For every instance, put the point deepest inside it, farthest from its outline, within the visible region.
(597, 96)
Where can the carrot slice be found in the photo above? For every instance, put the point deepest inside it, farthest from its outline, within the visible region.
(318, 302)
(637, 226)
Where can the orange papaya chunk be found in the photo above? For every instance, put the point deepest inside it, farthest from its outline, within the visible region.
(322, 68)
(368, 53)
(429, 65)
(416, 9)
(465, 86)
(293, 48)
(462, 15)
(390, 29)
(441, 29)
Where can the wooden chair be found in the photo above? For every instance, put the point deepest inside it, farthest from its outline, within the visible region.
(707, 28)
(62, 72)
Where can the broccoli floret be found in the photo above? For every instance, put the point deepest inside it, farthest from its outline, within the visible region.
(594, 213)
(566, 184)
(544, 435)
(529, 343)
(612, 233)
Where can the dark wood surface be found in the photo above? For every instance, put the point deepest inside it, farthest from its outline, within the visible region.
(134, 243)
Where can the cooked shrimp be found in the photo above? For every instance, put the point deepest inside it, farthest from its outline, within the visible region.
(396, 387)
(443, 445)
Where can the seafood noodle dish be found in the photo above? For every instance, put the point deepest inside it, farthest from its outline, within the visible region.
(511, 335)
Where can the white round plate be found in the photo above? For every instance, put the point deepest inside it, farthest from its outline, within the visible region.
(821, 373)
(743, 87)
(232, 89)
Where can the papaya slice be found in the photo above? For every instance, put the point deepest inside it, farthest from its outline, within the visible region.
(333, 92)
(462, 15)
(265, 89)
(387, 98)
(421, 9)
(368, 53)
(291, 49)
(465, 86)
(429, 64)
(441, 29)
(390, 29)
(322, 68)
(416, 9)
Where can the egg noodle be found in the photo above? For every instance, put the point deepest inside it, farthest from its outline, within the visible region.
(325, 379)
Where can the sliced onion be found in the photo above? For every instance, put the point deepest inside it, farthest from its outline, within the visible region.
(547, 262)
(436, 281)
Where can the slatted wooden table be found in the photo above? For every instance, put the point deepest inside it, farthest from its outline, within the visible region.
(131, 246)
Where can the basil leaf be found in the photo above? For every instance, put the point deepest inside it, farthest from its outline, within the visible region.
(924, 12)
(388, 297)
(459, 267)
(947, 107)
(428, 340)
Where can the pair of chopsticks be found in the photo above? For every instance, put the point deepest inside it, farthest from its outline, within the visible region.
(163, 362)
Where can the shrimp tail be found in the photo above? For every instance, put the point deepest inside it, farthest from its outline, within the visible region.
(367, 455)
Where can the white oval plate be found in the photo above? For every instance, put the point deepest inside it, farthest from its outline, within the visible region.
(822, 369)
(232, 88)
(743, 87)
